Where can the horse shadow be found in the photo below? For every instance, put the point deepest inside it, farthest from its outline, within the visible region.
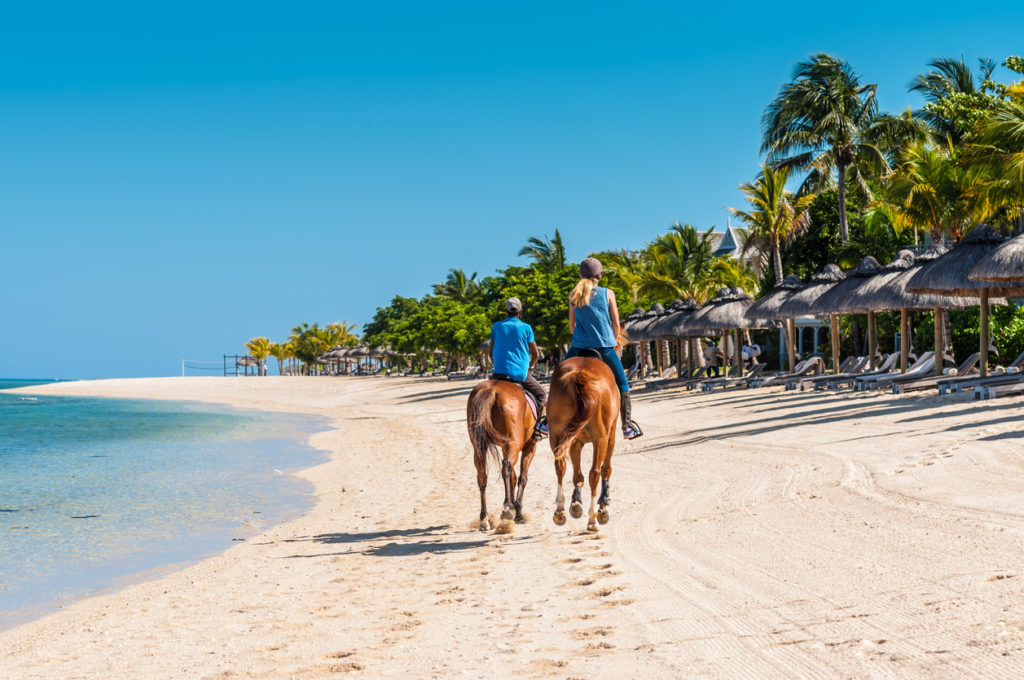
(422, 540)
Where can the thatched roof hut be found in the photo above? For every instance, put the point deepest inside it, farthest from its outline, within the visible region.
(678, 312)
(836, 299)
(768, 306)
(637, 331)
(1005, 264)
(727, 311)
(949, 273)
(799, 304)
(888, 291)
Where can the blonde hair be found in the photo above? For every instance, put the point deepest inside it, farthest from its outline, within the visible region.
(581, 294)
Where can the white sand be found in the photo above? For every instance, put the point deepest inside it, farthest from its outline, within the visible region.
(753, 534)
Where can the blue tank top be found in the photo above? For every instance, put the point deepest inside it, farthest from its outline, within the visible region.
(594, 323)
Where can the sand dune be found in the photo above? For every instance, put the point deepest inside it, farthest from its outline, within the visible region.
(753, 534)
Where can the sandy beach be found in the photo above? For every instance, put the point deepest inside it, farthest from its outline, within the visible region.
(753, 534)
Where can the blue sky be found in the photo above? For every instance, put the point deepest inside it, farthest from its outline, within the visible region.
(177, 179)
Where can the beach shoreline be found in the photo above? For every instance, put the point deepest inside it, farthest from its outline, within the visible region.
(786, 534)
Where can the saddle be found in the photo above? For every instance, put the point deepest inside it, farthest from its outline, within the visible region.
(589, 353)
(531, 401)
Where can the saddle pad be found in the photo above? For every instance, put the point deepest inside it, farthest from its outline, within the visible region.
(530, 399)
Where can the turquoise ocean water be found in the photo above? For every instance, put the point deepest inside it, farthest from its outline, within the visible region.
(95, 493)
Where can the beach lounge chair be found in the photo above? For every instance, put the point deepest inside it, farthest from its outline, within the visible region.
(1009, 386)
(852, 366)
(886, 368)
(972, 382)
(920, 369)
(693, 383)
(927, 382)
(811, 366)
(711, 385)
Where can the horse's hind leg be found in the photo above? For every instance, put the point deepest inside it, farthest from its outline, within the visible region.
(559, 516)
(524, 465)
(576, 507)
(600, 451)
(508, 474)
(606, 473)
(480, 458)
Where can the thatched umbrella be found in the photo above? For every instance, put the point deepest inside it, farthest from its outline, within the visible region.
(836, 299)
(1005, 264)
(665, 327)
(727, 312)
(768, 308)
(949, 275)
(888, 292)
(799, 304)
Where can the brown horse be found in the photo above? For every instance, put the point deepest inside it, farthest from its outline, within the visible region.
(498, 417)
(583, 408)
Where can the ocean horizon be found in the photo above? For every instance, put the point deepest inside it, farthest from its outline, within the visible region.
(97, 493)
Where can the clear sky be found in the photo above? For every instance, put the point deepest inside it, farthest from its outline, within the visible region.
(177, 178)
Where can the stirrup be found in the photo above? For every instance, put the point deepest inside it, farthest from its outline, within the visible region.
(540, 430)
(631, 431)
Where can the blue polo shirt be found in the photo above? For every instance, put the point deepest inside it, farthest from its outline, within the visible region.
(510, 340)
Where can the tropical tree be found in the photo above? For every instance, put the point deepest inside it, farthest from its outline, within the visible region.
(547, 254)
(956, 102)
(458, 286)
(931, 190)
(730, 272)
(259, 349)
(1001, 149)
(776, 215)
(680, 265)
(280, 351)
(826, 121)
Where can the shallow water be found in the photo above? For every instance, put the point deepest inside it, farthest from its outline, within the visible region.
(95, 490)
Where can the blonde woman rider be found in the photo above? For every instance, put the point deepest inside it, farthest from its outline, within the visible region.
(594, 320)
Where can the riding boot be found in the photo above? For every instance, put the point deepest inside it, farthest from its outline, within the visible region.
(630, 430)
(540, 430)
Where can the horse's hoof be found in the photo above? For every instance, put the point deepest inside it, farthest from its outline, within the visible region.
(506, 514)
(576, 510)
(602, 516)
(559, 518)
(520, 520)
(592, 526)
(485, 525)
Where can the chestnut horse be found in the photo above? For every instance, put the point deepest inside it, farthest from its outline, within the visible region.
(583, 408)
(498, 417)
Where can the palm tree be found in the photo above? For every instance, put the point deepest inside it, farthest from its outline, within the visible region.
(776, 216)
(823, 121)
(1001, 149)
(548, 255)
(259, 349)
(931, 190)
(458, 286)
(730, 272)
(951, 82)
(680, 265)
(626, 267)
(279, 351)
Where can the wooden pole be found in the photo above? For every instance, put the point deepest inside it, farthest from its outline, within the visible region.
(739, 353)
(835, 342)
(791, 344)
(904, 339)
(939, 346)
(872, 339)
(725, 353)
(984, 332)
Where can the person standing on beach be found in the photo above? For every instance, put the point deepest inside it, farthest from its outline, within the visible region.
(594, 320)
(711, 358)
(514, 353)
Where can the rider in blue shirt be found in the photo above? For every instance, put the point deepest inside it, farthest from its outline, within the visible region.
(594, 319)
(514, 353)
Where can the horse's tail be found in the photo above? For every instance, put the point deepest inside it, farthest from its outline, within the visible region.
(578, 388)
(485, 437)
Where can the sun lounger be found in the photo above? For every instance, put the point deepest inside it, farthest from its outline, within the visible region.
(923, 383)
(920, 369)
(961, 383)
(811, 366)
(852, 366)
(864, 373)
(694, 382)
(1007, 386)
(711, 385)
